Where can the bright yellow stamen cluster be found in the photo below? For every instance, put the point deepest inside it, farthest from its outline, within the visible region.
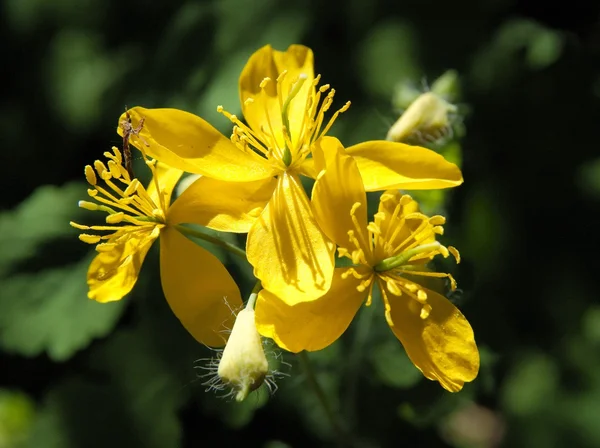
(400, 248)
(129, 206)
(279, 145)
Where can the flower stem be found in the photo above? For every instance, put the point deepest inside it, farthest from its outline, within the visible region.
(187, 231)
(355, 360)
(253, 295)
(311, 378)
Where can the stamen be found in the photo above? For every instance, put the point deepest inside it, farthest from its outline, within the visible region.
(386, 303)
(88, 205)
(116, 218)
(114, 169)
(90, 175)
(131, 188)
(105, 247)
(393, 287)
(100, 168)
(89, 239)
(454, 253)
(425, 311)
(78, 226)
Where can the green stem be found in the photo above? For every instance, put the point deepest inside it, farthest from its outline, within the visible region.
(212, 239)
(365, 321)
(323, 400)
(253, 295)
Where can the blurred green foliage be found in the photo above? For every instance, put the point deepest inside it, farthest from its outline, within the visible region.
(76, 373)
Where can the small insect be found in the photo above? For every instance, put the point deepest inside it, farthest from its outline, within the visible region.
(128, 131)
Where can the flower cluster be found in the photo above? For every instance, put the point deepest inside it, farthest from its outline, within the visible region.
(252, 183)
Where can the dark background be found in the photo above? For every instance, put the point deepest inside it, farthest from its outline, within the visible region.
(74, 373)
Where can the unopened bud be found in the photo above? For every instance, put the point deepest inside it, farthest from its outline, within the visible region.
(243, 365)
(427, 118)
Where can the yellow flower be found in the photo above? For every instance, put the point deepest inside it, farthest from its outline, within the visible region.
(391, 251)
(197, 286)
(285, 113)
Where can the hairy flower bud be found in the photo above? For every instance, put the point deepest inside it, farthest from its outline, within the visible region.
(243, 365)
(427, 118)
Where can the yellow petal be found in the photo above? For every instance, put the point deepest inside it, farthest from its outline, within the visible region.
(226, 206)
(167, 178)
(267, 62)
(384, 165)
(198, 288)
(307, 168)
(187, 142)
(338, 187)
(442, 346)
(310, 325)
(290, 254)
(111, 275)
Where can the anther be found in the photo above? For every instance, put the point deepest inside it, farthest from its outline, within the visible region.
(411, 287)
(282, 75)
(105, 247)
(132, 187)
(374, 228)
(425, 311)
(100, 167)
(88, 205)
(90, 239)
(342, 252)
(437, 220)
(405, 200)
(114, 169)
(421, 296)
(264, 82)
(454, 253)
(393, 287)
(116, 218)
(90, 175)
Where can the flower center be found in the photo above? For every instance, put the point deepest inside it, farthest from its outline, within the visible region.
(129, 206)
(404, 245)
(288, 128)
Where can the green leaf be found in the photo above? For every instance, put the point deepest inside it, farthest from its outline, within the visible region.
(17, 412)
(80, 413)
(388, 57)
(235, 414)
(49, 312)
(134, 398)
(392, 366)
(43, 216)
(531, 386)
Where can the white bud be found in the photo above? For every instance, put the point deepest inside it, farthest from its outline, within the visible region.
(427, 118)
(243, 365)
